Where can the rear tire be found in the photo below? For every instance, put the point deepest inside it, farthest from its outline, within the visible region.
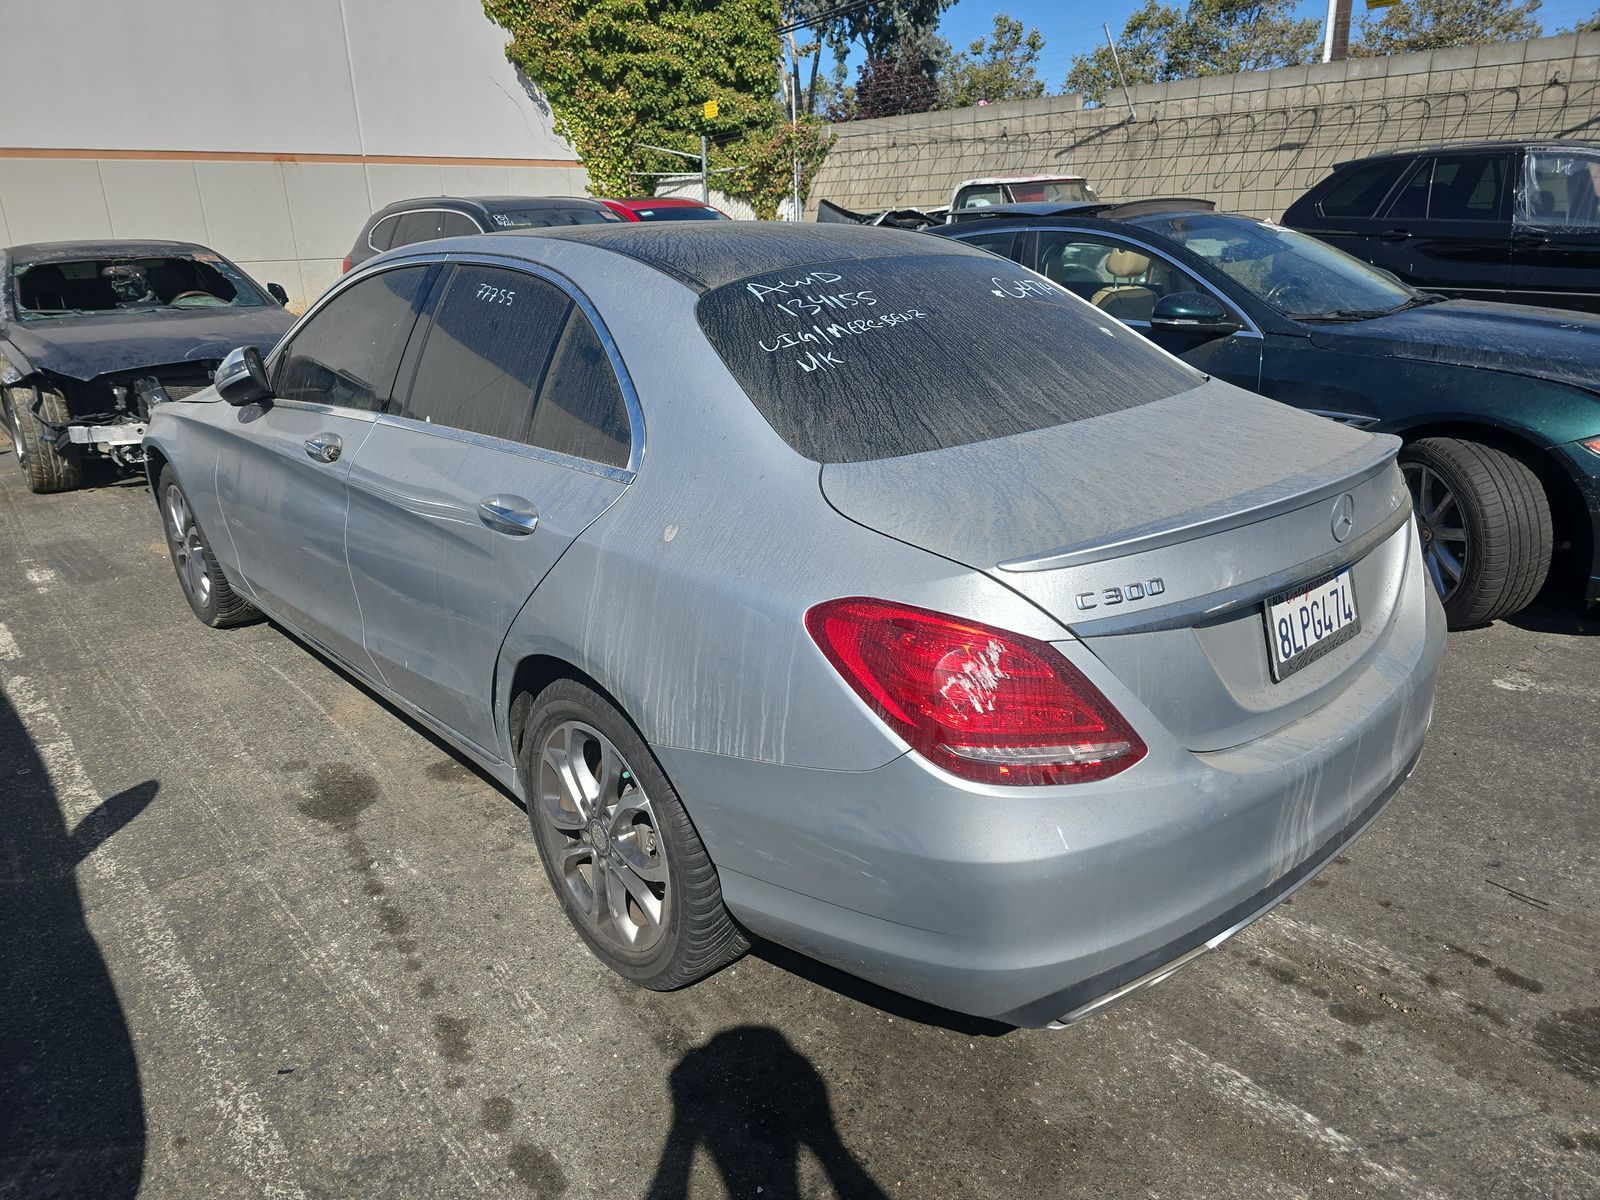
(46, 467)
(204, 585)
(1477, 499)
(600, 807)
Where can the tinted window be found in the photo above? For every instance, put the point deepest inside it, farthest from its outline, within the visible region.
(1467, 187)
(1560, 189)
(416, 227)
(1120, 279)
(486, 352)
(545, 218)
(1412, 202)
(864, 359)
(382, 235)
(454, 224)
(679, 212)
(994, 243)
(581, 411)
(1358, 191)
(346, 354)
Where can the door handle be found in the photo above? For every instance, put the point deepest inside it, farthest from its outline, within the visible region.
(324, 447)
(1395, 235)
(1529, 239)
(508, 514)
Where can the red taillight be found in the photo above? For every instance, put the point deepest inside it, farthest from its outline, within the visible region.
(983, 704)
(345, 269)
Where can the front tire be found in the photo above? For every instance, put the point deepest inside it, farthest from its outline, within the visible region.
(618, 847)
(204, 585)
(1484, 521)
(46, 467)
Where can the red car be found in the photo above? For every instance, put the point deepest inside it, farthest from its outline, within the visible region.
(664, 208)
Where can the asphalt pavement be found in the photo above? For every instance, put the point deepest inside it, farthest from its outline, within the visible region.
(262, 937)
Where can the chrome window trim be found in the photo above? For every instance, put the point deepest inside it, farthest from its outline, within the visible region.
(630, 397)
(506, 446)
(329, 410)
(1250, 330)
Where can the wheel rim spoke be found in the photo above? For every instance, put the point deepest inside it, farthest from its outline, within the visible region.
(599, 829)
(1448, 562)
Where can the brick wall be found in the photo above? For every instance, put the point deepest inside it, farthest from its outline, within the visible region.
(1251, 142)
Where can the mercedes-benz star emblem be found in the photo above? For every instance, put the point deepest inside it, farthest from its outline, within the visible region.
(1344, 516)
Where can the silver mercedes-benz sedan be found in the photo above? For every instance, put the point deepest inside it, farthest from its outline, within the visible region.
(844, 587)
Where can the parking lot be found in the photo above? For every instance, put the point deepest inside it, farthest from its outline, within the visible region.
(265, 938)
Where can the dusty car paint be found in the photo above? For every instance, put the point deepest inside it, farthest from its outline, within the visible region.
(685, 596)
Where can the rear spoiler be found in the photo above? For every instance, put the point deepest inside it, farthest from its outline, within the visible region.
(895, 218)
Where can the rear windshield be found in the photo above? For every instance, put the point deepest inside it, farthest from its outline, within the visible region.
(106, 285)
(858, 360)
(679, 212)
(545, 218)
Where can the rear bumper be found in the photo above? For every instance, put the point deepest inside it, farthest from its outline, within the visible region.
(1028, 905)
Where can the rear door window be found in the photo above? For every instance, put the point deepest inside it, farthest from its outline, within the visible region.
(1358, 192)
(1467, 187)
(581, 411)
(454, 224)
(994, 243)
(1412, 202)
(860, 360)
(346, 354)
(487, 349)
(416, 227)
(1117, 277)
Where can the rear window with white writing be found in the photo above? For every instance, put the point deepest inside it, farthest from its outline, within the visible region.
(861, 360)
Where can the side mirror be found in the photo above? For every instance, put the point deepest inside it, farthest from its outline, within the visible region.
(1193, 312)
(275, 290)
(242, 378)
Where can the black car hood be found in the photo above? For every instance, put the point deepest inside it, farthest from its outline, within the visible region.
(87, 346)
(1548, 343)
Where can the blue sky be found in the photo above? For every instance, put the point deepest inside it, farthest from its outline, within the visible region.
(1071, 28)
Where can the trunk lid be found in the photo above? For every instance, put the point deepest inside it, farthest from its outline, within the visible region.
(1156, 533)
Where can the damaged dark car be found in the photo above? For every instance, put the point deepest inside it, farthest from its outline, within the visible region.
(95, 335)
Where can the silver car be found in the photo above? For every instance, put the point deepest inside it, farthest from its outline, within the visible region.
(844, 587)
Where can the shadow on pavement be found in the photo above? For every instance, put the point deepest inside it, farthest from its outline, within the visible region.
(753, 1102)
(72, 1119)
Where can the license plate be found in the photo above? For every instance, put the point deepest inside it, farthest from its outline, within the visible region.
(1306, 623)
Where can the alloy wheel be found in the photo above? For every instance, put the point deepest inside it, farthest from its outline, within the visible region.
(1441, 526)
(188, 552)
(603, 836)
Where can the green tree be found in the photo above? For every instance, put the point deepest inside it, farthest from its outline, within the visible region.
(1160, 43)
(1005, 67)
(1592, 25)
(1413, 25)
(622, 73)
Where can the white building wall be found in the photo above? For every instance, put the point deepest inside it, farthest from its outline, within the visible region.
(266, 129)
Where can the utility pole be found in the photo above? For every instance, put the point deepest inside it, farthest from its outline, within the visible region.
(1116, 59)
(705, 175)
(793, 89)
(1336, 33)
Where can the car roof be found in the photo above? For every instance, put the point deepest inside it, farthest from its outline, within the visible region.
(708, 254)
(1111, 210)
(1467, 147)
(992, 179)
(33, 252)
(655, 202)
(487, 203)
